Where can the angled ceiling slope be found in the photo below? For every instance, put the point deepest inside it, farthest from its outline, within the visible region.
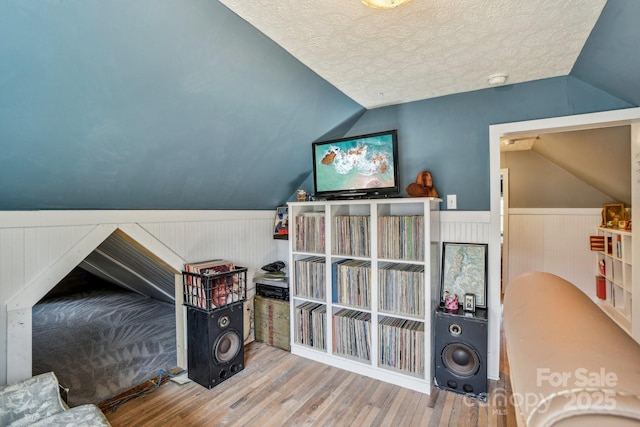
(609, 60)
(121, 261)
(426, 48)
(599, 157)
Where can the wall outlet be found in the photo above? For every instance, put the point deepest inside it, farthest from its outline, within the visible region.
(452, 203)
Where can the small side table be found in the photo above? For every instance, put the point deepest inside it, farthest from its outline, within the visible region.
(272, 322)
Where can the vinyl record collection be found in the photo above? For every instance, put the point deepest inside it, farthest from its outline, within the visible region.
(401, 289)
(361, 301)
(309, 236)
(352, 334)
(310, 277)
(351, 281)
(351, 235)
(401, 237)
(401, 344)
(311, 320)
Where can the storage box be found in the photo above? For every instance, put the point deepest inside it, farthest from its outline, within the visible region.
(272, 322)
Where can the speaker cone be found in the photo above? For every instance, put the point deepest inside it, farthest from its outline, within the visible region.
(227, 346)
(461, 359)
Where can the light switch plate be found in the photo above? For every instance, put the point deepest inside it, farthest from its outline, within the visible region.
(452, 203)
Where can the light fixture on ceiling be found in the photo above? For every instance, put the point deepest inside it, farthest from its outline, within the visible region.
(497, 79)
(384, 4)
(529, 139)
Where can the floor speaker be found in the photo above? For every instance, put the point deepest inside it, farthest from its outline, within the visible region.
(215, 344)
(461, 352)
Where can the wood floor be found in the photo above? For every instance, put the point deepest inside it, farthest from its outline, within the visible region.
(277, 388)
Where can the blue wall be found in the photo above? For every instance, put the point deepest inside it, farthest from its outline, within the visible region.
(149, 104)
(450, 135)
(167, 104)
(610, 59)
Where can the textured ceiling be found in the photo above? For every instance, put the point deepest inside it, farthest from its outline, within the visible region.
(426, 48)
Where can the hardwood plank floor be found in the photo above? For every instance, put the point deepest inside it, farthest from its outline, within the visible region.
(277, 388)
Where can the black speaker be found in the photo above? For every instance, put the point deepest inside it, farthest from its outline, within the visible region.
(461, 352)
(215, 344)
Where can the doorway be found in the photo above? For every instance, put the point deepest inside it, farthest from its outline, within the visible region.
(630, 116)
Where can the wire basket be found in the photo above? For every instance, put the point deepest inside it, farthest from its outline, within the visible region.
(209, 290)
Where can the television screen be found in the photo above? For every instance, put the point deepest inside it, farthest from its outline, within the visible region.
(358, 166)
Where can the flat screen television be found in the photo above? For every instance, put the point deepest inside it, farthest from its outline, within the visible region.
(357, 167)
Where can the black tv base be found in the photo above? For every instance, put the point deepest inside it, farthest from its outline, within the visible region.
(364, 196)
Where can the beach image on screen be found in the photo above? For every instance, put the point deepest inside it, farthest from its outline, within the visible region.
(355, 164)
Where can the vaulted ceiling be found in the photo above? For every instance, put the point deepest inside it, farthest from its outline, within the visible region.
(206, 104)
(425, 48)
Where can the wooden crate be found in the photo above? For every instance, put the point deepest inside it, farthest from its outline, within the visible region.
(272, 322)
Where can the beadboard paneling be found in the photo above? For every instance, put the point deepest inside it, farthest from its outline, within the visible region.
(554, 241)
(35, 243)
(464, 227)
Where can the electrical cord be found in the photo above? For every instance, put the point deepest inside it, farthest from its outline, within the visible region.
(251, 326)
(113, 404)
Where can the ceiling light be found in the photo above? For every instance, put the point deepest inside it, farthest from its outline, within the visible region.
(497, 79)
(384, 4)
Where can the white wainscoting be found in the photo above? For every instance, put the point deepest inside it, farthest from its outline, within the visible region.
(38, 248)
(475, 227)
(464, 226)
(33, 243)
(555, 241)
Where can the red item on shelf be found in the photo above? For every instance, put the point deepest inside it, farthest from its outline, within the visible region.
(601, 287)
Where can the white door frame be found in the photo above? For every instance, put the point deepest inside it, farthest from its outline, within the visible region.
(504, 173)
(629, 116)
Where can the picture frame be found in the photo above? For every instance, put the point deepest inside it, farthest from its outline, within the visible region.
(464, 271)
(470, 303)
(612, 214)
(281, 225)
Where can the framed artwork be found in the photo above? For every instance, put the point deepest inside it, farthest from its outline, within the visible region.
(281, 227)
(464, 271)
(612, 214)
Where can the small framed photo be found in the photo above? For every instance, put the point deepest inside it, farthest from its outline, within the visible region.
(464, 271)
(469, 303)
(612, 214)
(281, 227)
